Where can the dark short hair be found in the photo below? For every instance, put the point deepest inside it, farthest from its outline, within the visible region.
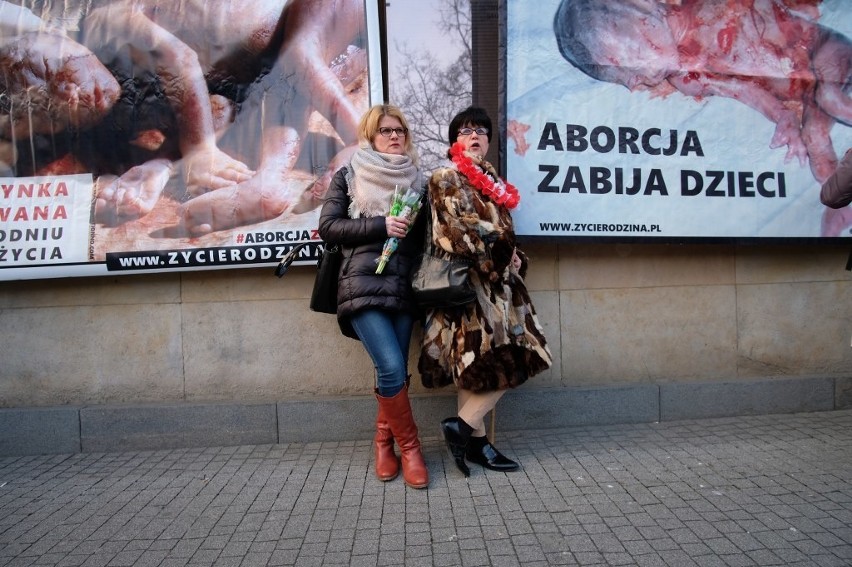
(470, 116)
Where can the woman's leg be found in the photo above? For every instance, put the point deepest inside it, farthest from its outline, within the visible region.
(474, 407)
(386, 337)
(465, 434)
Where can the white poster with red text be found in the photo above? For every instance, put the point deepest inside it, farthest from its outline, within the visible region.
(45, 220)
(147, 135)
(699, 119)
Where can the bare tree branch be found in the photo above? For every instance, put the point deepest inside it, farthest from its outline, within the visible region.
(431, 94)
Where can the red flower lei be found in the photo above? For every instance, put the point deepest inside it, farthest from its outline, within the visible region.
(501, 192)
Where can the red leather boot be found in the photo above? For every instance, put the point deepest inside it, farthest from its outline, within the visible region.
(397, 412)
(387, 465)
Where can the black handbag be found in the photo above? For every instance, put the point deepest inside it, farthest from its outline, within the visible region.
(324, 294)
(437, 282)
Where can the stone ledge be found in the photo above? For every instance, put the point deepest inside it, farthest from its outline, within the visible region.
(725, 399)
(38, 431)
(843, 393)
(172, 426)
(554, 408)
(28, 431)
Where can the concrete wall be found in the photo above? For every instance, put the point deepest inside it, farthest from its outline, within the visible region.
(706, 317)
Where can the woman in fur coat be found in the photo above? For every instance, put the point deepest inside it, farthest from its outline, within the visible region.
(496, 342)
(378, 308)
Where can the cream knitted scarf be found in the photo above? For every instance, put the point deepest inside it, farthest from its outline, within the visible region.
(373, 178)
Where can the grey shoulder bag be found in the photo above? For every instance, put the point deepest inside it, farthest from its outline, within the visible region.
(440, 283)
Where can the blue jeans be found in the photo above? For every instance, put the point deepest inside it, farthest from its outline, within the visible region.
(386, 336)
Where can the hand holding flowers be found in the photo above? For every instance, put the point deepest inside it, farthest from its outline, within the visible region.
(404, 205)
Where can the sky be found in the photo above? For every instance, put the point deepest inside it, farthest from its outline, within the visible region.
(415, 22)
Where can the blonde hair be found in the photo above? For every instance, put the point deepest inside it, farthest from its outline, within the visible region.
(368, 127)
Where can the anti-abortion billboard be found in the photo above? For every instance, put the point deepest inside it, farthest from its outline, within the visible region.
(677, 119)
(150, 135)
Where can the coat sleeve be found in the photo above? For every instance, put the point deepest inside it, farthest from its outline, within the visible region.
(336, 227)
(836, 192)
(456, 225)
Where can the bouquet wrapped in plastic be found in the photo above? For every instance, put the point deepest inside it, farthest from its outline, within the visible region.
(403, 205)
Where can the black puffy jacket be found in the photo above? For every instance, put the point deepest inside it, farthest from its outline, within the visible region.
(362, 240)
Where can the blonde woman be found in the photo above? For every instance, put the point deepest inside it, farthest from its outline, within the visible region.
(378, 309)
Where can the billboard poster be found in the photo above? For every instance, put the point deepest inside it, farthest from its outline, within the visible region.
(679, 118)
(148, 135)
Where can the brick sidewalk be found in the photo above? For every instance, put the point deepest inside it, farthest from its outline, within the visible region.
(763, 490)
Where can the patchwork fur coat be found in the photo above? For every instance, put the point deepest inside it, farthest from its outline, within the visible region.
(495, 342)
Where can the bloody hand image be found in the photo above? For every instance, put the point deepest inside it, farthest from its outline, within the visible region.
(209, 100)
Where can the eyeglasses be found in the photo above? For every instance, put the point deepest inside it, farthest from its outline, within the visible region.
(386, 132)
(469, 131)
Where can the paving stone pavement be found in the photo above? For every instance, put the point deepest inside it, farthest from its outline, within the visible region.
(759, 490)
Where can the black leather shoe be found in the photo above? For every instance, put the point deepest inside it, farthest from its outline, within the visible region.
(457, 434)
(482, 452)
